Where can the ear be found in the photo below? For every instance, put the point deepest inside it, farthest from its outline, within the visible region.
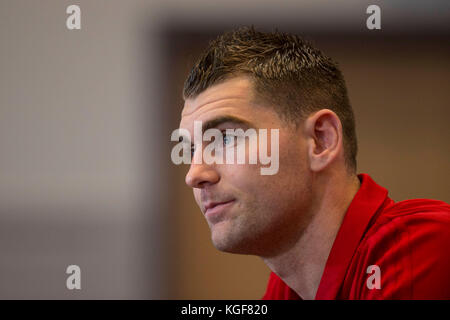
(323, 131)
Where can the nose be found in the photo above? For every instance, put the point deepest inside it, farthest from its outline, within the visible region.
(201, 175)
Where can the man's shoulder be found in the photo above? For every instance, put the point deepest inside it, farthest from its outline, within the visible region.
(408, 241)
(413, 208)
(410, 218)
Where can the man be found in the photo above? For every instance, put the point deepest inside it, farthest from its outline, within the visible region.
(324, 231)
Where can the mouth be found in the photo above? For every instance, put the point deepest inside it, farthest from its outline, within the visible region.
(213, 210)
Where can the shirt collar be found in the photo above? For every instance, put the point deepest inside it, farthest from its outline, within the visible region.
(369, 198)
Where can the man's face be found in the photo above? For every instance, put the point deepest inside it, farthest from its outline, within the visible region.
(248, 212)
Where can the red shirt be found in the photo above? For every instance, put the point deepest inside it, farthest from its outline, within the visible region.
(409, 241)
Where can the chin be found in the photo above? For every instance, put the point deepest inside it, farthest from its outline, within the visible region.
(225, 242)
(226, 247)
(231, 243)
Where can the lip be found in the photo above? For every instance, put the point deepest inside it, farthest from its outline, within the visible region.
(214, 209)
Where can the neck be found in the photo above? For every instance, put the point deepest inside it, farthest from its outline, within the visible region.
(302, 265)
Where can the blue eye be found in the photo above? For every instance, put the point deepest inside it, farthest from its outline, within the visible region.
(192, 151)
(227, 139)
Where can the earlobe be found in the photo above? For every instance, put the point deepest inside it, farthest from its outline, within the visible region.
(324, 135)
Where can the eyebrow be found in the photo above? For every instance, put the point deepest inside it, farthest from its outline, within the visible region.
(215, 122)
(224, 119)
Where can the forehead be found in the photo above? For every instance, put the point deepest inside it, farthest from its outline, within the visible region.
(232, 89)
(232, 97)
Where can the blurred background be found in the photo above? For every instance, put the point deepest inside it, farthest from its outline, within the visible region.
(86, 117)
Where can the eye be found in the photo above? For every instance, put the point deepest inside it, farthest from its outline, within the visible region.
(228, 139)
(192, 150)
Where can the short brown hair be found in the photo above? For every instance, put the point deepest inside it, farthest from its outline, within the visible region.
(288, 72)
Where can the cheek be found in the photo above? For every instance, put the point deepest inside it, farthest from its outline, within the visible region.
(248, 182)
(241, 177)
(289, 183)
